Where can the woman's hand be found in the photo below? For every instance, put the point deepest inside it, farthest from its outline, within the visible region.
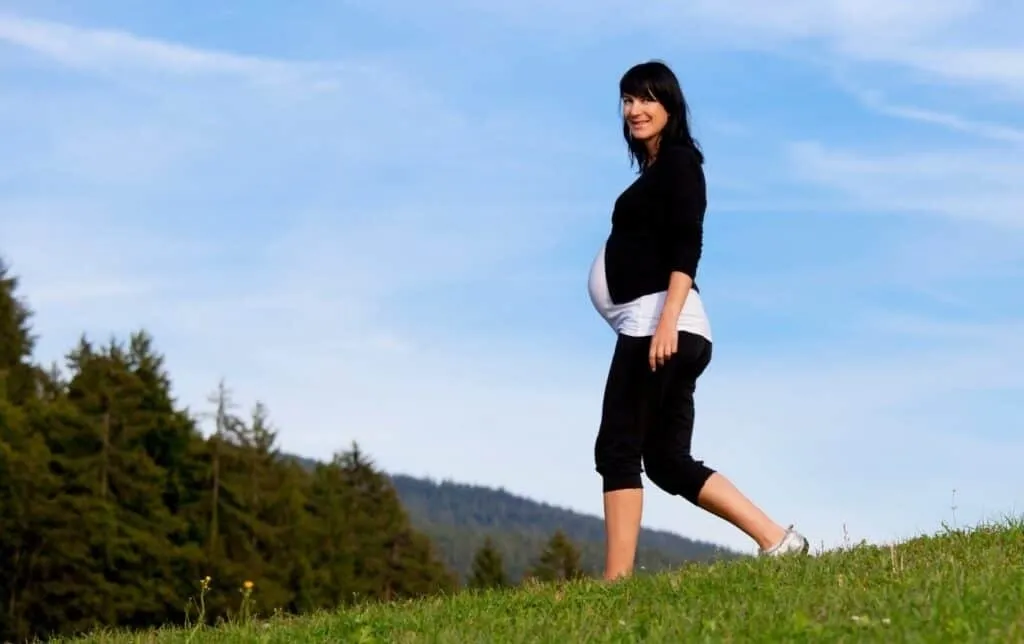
(665, 341)
(664, 344)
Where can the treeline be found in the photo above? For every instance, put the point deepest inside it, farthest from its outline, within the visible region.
(114, 507)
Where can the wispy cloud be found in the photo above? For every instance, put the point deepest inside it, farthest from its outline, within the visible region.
(110, 50)
(262, 205)
(948, 41)
(964, 42)
(876, 101)
(971, 184)
(839, 20)
(1001, 68)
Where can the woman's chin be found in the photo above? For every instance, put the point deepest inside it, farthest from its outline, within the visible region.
(643, 134)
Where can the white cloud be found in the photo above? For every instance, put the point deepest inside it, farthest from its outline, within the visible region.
(947, 41)
(968, 184)
(846, 21)
(267, 190)
(875, 100)
(984, 67)
(941, 41)
(109, 50)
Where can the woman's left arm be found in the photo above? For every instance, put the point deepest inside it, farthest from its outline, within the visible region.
(679, 286)
(685, 230)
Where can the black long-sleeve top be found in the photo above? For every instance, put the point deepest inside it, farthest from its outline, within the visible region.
(657, 226)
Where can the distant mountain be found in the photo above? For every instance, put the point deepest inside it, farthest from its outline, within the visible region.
(458, 517)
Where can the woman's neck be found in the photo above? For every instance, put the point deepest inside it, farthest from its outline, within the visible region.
(652, 150)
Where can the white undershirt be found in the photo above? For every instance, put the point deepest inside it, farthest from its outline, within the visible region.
(640, 317)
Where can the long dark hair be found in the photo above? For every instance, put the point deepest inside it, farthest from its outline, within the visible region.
(655, 79)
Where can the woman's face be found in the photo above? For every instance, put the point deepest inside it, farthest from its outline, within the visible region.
(644, 115)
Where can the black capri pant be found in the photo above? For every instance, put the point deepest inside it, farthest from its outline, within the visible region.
(648, 417)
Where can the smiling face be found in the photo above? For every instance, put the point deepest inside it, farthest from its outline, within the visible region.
(644, 116)
(654, 112)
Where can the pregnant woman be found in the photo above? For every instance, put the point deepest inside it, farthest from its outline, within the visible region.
(642, 283)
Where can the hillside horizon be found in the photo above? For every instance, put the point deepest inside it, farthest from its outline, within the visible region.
(459, 516)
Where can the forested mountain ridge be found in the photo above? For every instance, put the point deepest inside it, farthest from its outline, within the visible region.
(458, 518)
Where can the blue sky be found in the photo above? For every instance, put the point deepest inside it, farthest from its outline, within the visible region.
(378, 218)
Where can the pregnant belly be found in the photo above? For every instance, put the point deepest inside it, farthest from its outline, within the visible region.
(600, 297)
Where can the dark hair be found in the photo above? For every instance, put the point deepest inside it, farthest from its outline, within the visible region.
(655, 79)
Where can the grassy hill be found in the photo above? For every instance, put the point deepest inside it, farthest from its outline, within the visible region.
(458, 517)
(959, 586)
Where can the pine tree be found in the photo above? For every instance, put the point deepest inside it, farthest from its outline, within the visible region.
(364, 546)
(560, 560)
(67, 591)
(29, 511)
(16, 341)
(113, 468)
(222, 422)
(402, 562)
(331, 539)
(488, 567)
(253, 511)
(286, 560)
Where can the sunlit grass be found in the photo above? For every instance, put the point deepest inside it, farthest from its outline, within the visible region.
(957, 586)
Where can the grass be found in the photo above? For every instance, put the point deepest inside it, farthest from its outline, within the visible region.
(958, 586)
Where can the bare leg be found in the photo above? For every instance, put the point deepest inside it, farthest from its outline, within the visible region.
(720, 497)
(622, 513)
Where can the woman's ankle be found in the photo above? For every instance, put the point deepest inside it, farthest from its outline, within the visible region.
(771, 537)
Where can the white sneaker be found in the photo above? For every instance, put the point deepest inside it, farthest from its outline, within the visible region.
(792, 543)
